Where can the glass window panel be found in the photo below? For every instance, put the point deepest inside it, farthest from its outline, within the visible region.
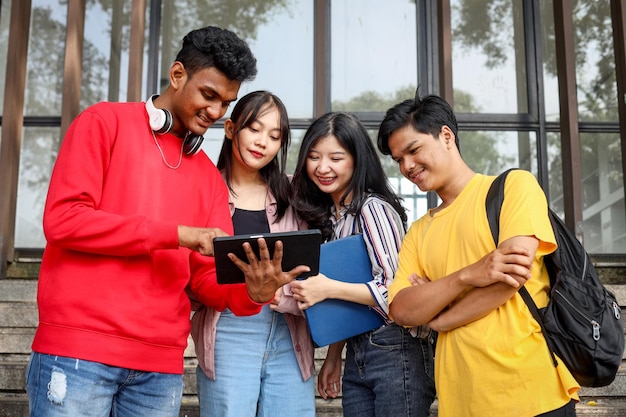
(555, 173)
(39, 151)
(46, 54)
(488, 54)
(618, 229)
(374, 53)
(595, 61)
(413, 199)
(105, 52)
(490, 152)
(212, 143)
(279, 33)
(284, 52)
(294, 149)
(5, 13)
(603, 193)
(604, 218)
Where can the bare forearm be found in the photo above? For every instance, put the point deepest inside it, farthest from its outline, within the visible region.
(356, 293)
(510, 264)
(335, 350)
(476, 304)
(318, 288)
(481, 301)
(419, 304)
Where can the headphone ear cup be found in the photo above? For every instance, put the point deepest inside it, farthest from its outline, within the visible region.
(168, 122)
(161, 120)
(192, 143)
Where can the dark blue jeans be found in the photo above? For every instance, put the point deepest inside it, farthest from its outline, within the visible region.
(388, 372)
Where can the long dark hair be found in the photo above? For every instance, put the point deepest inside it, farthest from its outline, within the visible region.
(248, 109)
(313, 205)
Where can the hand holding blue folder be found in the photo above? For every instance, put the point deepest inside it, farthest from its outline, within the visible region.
(332, 320)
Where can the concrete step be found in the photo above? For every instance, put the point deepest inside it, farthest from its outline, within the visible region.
(18, 290)
(12, 373)
(13, 405)
(16, 340)
(12, 376)
(16, 405)
(18, 319)
(613, 407)
(18, 315)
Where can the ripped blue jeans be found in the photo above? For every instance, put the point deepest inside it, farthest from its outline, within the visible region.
(59, 386)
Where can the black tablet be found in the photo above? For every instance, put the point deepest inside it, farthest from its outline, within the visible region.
(299, 248)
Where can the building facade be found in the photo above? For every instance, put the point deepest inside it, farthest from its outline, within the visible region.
(536, 84)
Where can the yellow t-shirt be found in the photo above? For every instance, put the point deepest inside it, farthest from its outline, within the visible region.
(498, 365)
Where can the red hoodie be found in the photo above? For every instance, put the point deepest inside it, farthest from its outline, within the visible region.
(112, 280)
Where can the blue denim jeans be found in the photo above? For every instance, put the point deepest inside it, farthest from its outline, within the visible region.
(59, 386)
(256, 370)
(388, 372)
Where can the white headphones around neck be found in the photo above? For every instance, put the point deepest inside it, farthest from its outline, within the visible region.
(161, 122)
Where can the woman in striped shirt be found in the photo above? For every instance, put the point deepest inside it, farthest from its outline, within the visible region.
(339, 187)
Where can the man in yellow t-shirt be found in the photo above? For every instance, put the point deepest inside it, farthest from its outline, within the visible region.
(491, 357)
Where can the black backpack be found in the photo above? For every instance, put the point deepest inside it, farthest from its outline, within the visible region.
(582, 322)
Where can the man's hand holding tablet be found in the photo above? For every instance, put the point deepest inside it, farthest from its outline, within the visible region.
(274, 259)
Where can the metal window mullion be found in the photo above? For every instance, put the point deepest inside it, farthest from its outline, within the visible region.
(12, 118)
(618, 17)
(154, 33)
(444, 39)
(135, 53)
(115, 49)
(321, 58)
(73, 63)
(427, 52)
(536, 89)
(570, 138)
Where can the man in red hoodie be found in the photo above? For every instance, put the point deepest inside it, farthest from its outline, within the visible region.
(130, 216)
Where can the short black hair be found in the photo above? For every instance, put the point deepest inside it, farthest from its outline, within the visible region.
(220, 48)
(426, 115)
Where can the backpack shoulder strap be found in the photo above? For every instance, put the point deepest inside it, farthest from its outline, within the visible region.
(493, 205)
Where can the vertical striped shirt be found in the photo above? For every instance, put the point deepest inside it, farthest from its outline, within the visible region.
(383, 232)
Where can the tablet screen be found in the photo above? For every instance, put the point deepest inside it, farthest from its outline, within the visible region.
(299, 248)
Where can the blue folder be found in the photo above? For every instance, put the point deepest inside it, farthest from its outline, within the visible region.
(332, 320)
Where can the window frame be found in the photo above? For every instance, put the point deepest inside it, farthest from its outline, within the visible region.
(433, 33)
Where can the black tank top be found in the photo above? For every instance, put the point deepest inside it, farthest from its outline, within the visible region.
(247, 222)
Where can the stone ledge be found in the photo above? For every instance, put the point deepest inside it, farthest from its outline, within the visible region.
(29, 270)
(16, 405)
(12, 376)
(18, 290)
(12, 379)
(16, 340)
(19, 315)
(611, 268)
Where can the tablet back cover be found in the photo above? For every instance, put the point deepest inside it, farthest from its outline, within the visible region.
(332, 320)
(300, 247)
